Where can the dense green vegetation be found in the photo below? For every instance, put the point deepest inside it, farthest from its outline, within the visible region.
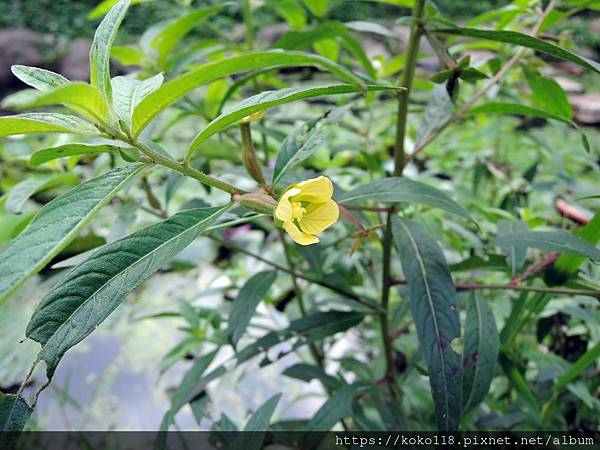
(402, 210)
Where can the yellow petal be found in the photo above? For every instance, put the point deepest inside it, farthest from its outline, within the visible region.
(298, 236)
(317, 190)
(284, 208)
(319, 216)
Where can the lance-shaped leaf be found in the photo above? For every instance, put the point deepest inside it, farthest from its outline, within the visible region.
(304, 141)
(244, 305)
(167, 39)
(480, 351)
(433, 305)
(185, 391)
(129, 92)
(524, 40)
(584, 361)
(552, 241)
(40, 79)
(306, 372)
(523, 110)
(170, 92)
(397, 189)
(307, 329)
(23, 190)
(56, 225)
(101, 45)
(548, 94)
(515, 254)
(79, 97)
(301, 40)
(338, 406)
(92, 290)
(259, 421)
(45, 123)
(268, 99)
(14, 413)
(62, 151)
(520, 385)
(568, 264)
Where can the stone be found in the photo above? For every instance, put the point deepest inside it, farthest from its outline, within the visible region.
(586, 108)
(75, 65)
(18, 46)
(569, 86)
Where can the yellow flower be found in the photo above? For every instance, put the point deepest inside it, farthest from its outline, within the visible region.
(306, 208)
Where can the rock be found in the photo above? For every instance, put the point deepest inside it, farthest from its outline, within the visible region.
(569, 86)
(586, 108)
(75, 65)
(568, 68)
(18, 46)
(268, 35)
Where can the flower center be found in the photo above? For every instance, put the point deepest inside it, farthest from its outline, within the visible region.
(297, 210)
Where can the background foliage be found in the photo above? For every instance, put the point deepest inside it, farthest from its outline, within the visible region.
(458, 290)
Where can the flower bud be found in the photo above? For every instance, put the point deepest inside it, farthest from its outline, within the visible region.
(259, 202)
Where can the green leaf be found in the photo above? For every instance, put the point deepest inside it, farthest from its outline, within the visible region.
(45, 123)
(433, 305)
(438, 112)
(40, 79)
(62, 151)
(291, 11)
(480, 355)
(127, 56)
(14, 413)
(549, 95)
(318, 7)
(167, 39)
(515, 108)
(515, 38)
(92, 290)
(338, 406)
(178, 87)
(262, 416)
(56, 225)
(307, 329)
(516, 379)
(101, 46)
(268, 99)
(23, 190)
(244, 305)
(185, 391)
(307, 372)
(303, 40)
(371, 27)
(567, 264)
(552, 241)
(304, 141)
(584, 361)
(129, 92)
(79, 97)
(105, 6)
(523, 110)
(397, 189)
(515, 254)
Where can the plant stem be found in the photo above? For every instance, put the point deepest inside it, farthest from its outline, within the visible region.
(399, 155)
(325, 284)
(480, 92)
(182, 168)
(406, 81)
(385, 300)
(247, 12)
(298, 292)
(565, 291)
